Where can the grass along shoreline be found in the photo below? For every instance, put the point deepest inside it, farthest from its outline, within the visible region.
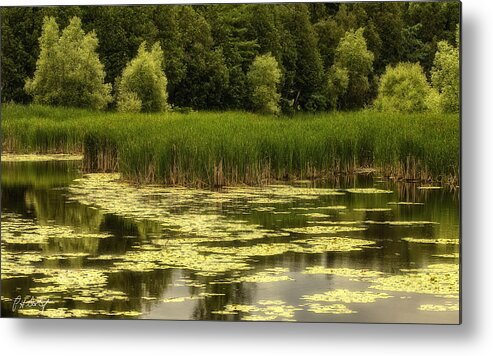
(230, 148)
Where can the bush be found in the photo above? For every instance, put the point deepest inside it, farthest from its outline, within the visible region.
(264, 77)
(143, 82)
(68, 70)
(404, 88)
(433, 102)
(129, 102)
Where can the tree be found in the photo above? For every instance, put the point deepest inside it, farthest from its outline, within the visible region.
(352, 55)
(20, 31)
(230, 34)
(304, 82)
(337, 83)
(445, 75)
(388, 24)
(329, 33)
(19, 51)
(264, 77)
(208, 49)
(437, 22)
(170, 37)
(206, 76)
(121, 30)
(68, 70)
(143, 83)
(404, 88)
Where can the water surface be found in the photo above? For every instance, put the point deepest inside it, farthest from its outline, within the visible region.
(357, 249)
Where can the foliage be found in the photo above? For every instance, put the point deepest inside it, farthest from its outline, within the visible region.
(229, 30)
(128, 101)
(432, 101)
(206, 78)
(384, 32)
(208, 49)
(143, 82)
(445, 76)
(20, 31)
(19, 52)
(338, 80)
(302, 63)
(353, 56)
(121, 30)
(437, 21)
(403, 88)
(264, 77)
(68, 70)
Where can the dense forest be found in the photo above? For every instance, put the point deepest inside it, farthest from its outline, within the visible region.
(208, 49)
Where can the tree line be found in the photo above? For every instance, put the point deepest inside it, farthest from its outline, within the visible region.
(263, 57)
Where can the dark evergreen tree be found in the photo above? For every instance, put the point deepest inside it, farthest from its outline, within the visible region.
(304, 86)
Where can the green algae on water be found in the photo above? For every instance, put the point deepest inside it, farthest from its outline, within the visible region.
(437, 279)
(432, 241)
(346, 296)
(343, 272)
(264, 310)
(315, 230)
(368, 191)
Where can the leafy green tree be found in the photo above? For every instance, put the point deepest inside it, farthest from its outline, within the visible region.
(404, 88)
(143, 83)
(264, 77)
(337, 83)
(352, 55)
(348, 17)
(68, 70)
(445, 76)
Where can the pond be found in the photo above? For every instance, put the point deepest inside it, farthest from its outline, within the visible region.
(352, 249)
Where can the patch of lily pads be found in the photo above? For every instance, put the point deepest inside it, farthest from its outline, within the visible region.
(22, 231)
(359, 274)
(346, 296)
(436, 279)
(263, 310)
(368, 191)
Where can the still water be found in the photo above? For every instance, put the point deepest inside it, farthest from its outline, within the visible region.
(357, 249)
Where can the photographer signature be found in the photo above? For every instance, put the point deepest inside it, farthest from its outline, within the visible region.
(29, 301)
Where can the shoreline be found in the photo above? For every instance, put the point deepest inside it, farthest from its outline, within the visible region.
(292, 180)
(230, 148)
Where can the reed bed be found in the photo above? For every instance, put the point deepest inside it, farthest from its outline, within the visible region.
(228, 148)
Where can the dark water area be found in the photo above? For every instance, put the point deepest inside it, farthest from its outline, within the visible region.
(357, 249)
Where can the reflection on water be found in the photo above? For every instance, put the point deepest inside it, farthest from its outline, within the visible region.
(357, 249)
